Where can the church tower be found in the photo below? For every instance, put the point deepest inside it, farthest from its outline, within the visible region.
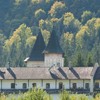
(53, 53)
(36, 58)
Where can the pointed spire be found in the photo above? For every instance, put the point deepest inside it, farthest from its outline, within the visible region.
(39, 46)
(53, 44)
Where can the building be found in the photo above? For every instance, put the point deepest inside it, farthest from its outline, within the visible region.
(45, 69)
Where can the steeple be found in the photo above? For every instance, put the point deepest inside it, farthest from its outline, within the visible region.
(53, 44)
(53, 53)
(36, 53)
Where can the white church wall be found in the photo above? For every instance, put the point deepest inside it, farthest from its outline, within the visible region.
(6, 84)
(38, 83)
(78, 82)
(19, 84)
(65, 83)
(52, 84)
(86, 81)
(51, 59)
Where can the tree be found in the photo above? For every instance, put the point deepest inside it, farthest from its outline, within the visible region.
(45, 25)
(80, 61)
(36, 94)
(86, 16)
(40, 14)
(65, 61)
(71, 24)
(57, 9)
(64, 95)
(2, 41)
(89, 61)
(46, 35)
(18, 44)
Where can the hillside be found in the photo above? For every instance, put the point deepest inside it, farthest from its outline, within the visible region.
(77, 24)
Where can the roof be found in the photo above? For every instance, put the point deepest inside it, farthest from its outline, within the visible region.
(39, 46)
(53, 44)
(97, 74)
(44, 73)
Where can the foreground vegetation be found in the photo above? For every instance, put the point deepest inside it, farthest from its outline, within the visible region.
(77, 23)
(39, 94)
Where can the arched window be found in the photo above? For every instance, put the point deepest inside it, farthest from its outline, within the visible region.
(24, 85)
(60, 85)
(47, 85)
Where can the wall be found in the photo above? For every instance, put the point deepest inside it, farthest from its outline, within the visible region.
(54, 84)
(65, 83)
(38, 83)
(19, 84)
(35, 63)
(6, 84)
(51, 59)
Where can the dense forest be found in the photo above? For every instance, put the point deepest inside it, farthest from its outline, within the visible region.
(77, 24)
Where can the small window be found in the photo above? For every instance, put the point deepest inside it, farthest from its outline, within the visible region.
(86, 85)
(96, 85)
(74, 85)
(60, 85)
(24, 85)
(12, 85)
(34, 84)
(47, 85)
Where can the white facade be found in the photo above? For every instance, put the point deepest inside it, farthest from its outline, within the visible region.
(53, 59)
(6, 84)
(54, 84)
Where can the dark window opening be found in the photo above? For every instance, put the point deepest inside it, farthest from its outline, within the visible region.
(86, 85)
(47, 85)
(61, 85)
(24, 85)
(74, 85)
(96, 85)
(12, 85)
(34, 84)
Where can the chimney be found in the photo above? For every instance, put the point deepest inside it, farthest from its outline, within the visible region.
(70, 64)
(96, 65)
(8, 65)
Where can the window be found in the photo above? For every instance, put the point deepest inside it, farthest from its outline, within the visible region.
(34, 84)
(12, 85)
(86, 85)
(74, 85)
(24, 85)
(60, 85)
(47, 85)
(96, 85)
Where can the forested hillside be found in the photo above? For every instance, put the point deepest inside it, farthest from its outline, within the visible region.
(77, 24)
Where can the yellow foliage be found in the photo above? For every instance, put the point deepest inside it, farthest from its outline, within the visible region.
(55, 6)
(97, 23)
(68, 37)
(68, 18)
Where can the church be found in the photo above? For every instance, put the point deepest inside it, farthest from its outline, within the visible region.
(45, 69)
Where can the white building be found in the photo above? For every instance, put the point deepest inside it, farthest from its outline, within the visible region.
(45, 69)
